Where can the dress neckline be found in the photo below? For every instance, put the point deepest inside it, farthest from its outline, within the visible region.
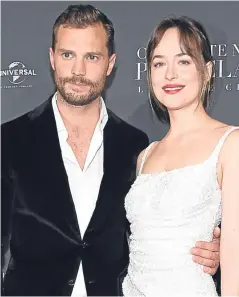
(191, 166)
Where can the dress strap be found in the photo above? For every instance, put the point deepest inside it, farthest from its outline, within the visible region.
(144, 157)
(221, 141)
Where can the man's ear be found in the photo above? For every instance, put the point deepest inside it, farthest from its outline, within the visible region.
(111, 64)
(52, 60)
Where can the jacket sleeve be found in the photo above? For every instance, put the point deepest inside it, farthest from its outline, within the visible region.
(7, 194)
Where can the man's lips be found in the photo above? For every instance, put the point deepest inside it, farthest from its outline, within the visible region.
(75, 84)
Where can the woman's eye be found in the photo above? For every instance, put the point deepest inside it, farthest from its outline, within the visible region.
(184, 62)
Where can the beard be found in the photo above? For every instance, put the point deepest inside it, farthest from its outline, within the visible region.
(75, 98)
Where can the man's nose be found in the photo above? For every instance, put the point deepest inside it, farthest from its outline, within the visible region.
(79, 67)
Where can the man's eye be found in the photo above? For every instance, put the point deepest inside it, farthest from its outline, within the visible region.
(67, 55)
(92, 58)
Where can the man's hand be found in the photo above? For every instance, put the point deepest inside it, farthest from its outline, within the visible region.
(207, 253)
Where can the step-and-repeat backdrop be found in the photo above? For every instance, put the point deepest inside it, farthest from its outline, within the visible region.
(26, 37)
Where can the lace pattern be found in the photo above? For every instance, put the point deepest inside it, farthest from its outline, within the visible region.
(169, 211)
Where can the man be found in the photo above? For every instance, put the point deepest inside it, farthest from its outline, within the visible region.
(66, 168)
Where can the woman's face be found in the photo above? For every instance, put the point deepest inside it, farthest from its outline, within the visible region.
(175, 79)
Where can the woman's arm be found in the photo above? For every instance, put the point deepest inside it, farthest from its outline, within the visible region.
(229, 248)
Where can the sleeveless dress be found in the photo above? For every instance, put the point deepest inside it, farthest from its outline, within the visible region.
(168, 212)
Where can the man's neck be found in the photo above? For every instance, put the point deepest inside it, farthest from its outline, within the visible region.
(78, 118)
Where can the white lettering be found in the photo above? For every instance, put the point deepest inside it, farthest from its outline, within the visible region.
(228, 87)
(222, 50)
(235, 49)
(141, 53)
(141, 68)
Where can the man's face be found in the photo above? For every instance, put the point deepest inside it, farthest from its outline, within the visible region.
(81, 63)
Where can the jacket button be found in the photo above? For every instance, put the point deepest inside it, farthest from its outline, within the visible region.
(92, 281)
(84, 244)
(71, 282)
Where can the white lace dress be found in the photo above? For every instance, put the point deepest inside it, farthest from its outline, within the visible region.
(169, 211)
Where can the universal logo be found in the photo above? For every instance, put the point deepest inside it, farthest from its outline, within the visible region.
(226, 61)
(16, 74)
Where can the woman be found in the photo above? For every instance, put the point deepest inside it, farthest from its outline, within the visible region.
(187, 182)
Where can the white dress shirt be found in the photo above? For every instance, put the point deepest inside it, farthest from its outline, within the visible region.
(84, 183)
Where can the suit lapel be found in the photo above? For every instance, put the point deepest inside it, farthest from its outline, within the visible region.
(112, 165)
(51, 167)
(50, 163)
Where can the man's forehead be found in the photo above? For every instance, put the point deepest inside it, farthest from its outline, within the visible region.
(94, 29)
(87, 39)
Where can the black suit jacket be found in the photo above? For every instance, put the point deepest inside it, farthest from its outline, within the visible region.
(38, 214)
